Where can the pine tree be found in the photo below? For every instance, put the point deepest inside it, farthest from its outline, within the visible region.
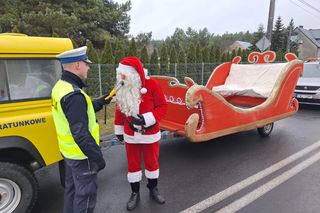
(164, 69)
(119, 52)
(154, 67)
(278, 37)
(173, 55)
(206, 54)
(107, 56)
(182, 56)
(244, 56)
(92, 53)
(212, 54)
(239, 52)
(132, 48)
(218, 54)
(144, 55)
(182, 68)
(233, 54)
(191, 57)
(198, 54)
(224, 57)
(256, 37)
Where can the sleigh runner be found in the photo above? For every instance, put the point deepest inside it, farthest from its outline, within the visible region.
(237, 97)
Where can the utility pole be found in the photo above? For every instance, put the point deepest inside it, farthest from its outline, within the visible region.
(270, 19)
(289, 37)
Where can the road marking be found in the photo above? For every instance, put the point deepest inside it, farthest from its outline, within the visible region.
(214, 199)
(255, 194)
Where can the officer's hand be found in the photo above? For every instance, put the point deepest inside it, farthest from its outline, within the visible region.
(101, 164)
(120, 137)
(138, 121)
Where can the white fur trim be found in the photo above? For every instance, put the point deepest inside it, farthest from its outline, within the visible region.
(146, 73)
(152, 174)
(138, 138)
(118, 129)
(134, 176)
(149, 119)
(143, 90)
(125, 69)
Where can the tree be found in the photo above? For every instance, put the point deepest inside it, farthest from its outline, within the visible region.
(290, 46)
(212, 54)
(119, 52)
(233, 54)
(173, 55)
(107, 56)
(206, 54)
(92, 53)
(182, 68)
(278, 36)
(79, 20)
(218, 54)
(154, 68)
(191, 57)
(132, 48)
(256, 37)
(144, 55)
(198, 54)
(164, 59)
(143, 39)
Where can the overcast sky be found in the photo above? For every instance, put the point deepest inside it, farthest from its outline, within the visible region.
(162, 17)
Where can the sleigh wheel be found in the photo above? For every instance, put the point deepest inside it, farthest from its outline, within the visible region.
(265, 130)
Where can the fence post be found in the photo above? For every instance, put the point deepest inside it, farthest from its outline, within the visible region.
(100, 86)
(175, 70)
(202, 73)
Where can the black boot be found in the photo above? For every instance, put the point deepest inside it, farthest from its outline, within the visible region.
(134, 197)
(154, 192)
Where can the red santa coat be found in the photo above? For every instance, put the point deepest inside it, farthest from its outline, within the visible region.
(153, 108)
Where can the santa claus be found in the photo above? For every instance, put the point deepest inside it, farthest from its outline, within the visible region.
(140, 106)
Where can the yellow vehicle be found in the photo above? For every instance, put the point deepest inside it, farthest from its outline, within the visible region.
(28, 71)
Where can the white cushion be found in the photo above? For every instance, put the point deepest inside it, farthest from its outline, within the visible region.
(255, 80)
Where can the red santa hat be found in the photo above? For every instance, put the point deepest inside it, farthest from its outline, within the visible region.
(133, 64)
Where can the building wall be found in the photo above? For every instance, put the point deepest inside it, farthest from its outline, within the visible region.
(307, 49)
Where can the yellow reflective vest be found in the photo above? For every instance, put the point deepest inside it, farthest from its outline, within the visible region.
(68, 147)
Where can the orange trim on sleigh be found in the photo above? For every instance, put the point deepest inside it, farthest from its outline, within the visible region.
(201, 114)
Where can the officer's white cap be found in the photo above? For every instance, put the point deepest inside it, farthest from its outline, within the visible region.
(78, 54)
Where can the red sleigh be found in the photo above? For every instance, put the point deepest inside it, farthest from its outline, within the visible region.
(237, 97)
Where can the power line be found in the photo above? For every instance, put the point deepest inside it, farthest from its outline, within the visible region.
(304, 9)
(309, 5)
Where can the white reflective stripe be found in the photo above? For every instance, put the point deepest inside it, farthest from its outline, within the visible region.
(149, 119)
(138, 138)
(134, 176)
(125, 69)
(152, 174)
(118, 129)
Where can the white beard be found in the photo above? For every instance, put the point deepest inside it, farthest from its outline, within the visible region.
(128, 96)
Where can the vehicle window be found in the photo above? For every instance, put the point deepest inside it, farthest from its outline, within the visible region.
(31, 78)
(311, 70)
(3, 83)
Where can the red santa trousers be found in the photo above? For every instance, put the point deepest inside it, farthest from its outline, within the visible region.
(150, 154)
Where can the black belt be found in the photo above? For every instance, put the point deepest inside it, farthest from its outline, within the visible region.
(142, 130)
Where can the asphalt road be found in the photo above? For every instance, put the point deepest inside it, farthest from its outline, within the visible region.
(191, 173)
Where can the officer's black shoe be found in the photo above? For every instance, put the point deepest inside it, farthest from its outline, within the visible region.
(133, 201)
(155, 195)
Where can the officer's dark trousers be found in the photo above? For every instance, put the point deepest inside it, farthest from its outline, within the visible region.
(80, 191)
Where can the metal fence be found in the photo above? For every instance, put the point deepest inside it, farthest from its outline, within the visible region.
(101, 77)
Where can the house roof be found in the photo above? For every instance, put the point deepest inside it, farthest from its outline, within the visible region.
(244, 44)
(312, 34)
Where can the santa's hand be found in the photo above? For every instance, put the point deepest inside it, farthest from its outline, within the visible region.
(138, 121)
(120, 138)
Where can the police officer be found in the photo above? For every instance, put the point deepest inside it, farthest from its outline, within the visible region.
(78, 132)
